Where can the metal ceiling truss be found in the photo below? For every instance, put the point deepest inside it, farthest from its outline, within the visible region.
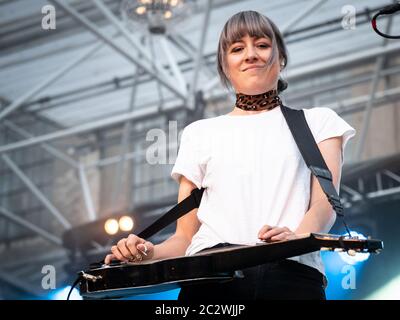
(160, 75)
(382, 185)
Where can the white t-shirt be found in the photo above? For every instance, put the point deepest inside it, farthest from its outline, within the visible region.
(253, 173)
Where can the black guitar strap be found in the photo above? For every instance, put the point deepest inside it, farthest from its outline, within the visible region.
(312, 156)
(309, 150)
(186, 205)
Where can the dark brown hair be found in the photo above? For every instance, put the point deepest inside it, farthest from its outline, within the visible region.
(254, 24)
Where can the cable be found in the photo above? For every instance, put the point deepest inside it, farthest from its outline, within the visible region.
(74, 285)
(386, 10)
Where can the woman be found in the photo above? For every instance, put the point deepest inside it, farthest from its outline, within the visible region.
(258, 187)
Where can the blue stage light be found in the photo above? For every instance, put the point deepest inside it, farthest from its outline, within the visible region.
(164, 295)
(61, 294)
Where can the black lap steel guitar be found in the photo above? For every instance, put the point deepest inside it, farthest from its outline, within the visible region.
(122, 279)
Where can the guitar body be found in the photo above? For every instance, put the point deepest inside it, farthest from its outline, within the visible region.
(211, 265)
(150, 277)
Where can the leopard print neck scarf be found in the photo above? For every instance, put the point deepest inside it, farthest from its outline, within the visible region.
(264, 101)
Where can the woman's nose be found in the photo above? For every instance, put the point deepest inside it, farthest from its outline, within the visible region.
(251, 54)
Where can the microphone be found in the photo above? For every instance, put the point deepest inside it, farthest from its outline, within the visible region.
(390, 9)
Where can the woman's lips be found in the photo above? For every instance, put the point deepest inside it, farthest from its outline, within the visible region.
(252, 67)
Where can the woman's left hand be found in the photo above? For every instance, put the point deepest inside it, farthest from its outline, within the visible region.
(268, 233)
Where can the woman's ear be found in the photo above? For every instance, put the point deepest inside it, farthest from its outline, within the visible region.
(281, 64)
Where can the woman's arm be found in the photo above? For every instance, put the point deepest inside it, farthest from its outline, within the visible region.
(320, 216)
(176, 245)
(186, 227)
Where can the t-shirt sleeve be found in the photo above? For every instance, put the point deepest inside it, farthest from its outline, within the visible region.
(188, 159)
(326, 123)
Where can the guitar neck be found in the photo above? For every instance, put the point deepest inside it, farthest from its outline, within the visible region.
(242, 256)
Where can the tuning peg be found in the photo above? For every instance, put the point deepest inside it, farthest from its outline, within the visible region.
(351, 252)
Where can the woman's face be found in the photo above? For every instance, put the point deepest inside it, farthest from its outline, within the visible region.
(247, 67)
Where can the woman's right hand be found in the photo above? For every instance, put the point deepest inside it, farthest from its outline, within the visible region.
(131, 249)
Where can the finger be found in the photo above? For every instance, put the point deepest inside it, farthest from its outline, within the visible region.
(123, 249)
(143, 249)
(117, 253)
(281, 236)
(146, 249)
(272, 233)
(264, 229)
(131, 244)
(109, 258)
(138, 257)
(285, 236)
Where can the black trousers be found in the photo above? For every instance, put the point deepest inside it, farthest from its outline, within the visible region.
(280, 280)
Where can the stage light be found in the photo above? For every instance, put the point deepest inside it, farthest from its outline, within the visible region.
(167, 14)
(62, 294)
(126, 223)
(141, 10)
(390, 291)
(111, 226)
(155, 16)
(358, 257)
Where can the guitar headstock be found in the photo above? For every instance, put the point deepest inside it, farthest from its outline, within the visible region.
(350, 244)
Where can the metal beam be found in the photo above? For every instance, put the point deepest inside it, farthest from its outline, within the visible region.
(58, 255)
(374, 86)
(356, 196)
(392, 175)
(190, 51)
(123, 157)
(125, 143)
(341, 61)
(173, 63)
(359, 103)
(343, 83)
(31, 186)
(154, 57)
(50, 149)
(118, 48)
(115, 159)
(86, 194)
(50, 80)
(127, 35)
(200, 49)
(16, 282)
(299, 17)
(27, 225)
(137, 114)
(382, 193)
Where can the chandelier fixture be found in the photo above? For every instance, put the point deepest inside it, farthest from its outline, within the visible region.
(155, 15)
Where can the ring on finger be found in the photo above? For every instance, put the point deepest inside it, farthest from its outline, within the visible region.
(137, 257)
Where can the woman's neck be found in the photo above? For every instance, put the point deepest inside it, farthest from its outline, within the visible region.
(253, 104)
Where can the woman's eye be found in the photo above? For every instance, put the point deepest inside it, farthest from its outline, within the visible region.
(236, 49)
(263, 45)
